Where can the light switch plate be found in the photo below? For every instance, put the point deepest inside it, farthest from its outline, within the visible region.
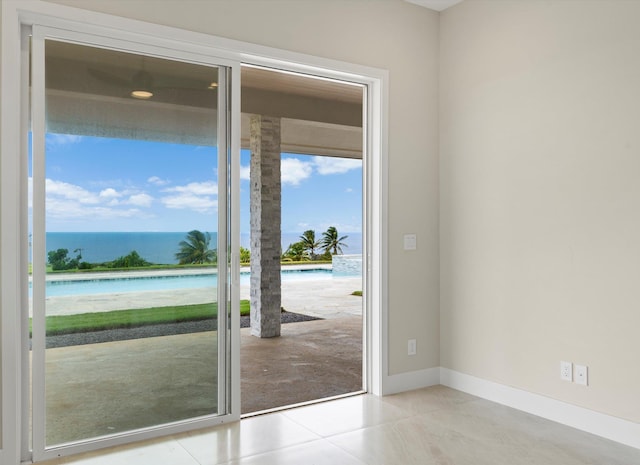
(582, 375)
(412, 348)
(410, 242)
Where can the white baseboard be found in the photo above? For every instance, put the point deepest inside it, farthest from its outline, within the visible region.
(412, 380)
(600, 424)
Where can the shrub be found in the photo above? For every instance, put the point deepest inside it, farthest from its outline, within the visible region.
(132, 260)
(85, 266)
(59, 261)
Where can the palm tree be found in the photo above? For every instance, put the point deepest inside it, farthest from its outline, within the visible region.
(245, 255)
(296, 252)
(331, 242)
(308, 239)
(195, 249)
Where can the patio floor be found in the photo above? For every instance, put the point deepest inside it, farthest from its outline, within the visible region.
(310, 360)
(100, 389)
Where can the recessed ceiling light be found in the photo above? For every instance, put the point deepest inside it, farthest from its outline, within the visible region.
(142, 94)
(213, 85)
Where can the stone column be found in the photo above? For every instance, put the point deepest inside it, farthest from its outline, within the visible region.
(265, 208)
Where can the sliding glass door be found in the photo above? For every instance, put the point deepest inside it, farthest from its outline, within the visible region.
(129, 237)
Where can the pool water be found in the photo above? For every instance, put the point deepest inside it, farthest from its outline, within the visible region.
(163, 283)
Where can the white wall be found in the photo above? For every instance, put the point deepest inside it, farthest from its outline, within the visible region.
(390, 34)
(540, 196)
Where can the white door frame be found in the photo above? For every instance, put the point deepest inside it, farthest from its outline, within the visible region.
(39, 34)
(16, 13)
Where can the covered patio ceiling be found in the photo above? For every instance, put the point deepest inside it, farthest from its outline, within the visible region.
(319, 116)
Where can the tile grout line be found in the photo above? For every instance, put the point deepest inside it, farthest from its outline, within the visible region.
(272, 449)
(177, 441)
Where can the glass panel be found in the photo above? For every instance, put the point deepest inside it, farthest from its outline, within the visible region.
(131, 214)
(319, 290)
(301, 198)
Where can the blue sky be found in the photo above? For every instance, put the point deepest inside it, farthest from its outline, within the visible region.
(101, 184)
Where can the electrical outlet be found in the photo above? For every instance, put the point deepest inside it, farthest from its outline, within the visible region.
(582, 375)
(411, 347)
(566, 371)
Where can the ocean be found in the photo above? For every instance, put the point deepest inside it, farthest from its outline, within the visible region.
(155, 247)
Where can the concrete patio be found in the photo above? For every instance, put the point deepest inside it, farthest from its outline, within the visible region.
(99, 389)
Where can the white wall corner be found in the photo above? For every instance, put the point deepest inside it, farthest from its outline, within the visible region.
(437, 5)
(613, 428)
(411, 380)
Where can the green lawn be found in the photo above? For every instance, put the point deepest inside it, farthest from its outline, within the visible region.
(82, 322)
(103, 269)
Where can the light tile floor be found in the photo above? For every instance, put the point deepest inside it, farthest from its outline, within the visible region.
(434, 425)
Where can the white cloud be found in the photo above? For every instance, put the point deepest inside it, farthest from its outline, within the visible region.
(30, 192)
(191, 202)
(69, 201)
(332, 165)
(157, 181)
(110, 193)
(197, 196)
(140, 200)
(67, 209)
(245, 172)
(348, 190)
(294, 171)
(196, 188)
(56, 140)
(341, 227)
(64, 190)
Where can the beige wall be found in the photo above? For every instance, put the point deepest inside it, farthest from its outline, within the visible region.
(540, 196)
(1, 402)
(388, 34)
(539, 167)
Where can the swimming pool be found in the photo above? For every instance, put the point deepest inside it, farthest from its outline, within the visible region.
(60, 288)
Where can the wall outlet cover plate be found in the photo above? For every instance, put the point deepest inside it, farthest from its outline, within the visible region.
(566, 371)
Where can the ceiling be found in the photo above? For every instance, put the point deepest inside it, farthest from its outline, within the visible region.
(111, 72)
(89, 92)
(437, 5)
(298, 84)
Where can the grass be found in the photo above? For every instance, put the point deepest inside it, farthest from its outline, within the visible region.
(83, 322)
(103, 269)
(98, 321)
(357, 293)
